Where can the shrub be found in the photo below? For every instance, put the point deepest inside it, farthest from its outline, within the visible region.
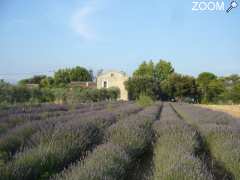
(144, 101)
(92, 95)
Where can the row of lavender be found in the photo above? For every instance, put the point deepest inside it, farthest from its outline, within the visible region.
(221, 133)
(175, 150)
(125, 142)
(12, 117)
(26, 134)
(46, 147)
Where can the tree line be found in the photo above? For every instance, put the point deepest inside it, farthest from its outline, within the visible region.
(55, 89)
(160, 82)
(61, 78)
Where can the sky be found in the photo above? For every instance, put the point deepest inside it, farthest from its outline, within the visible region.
(41, 36)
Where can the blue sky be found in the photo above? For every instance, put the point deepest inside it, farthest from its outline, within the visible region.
(44, 35)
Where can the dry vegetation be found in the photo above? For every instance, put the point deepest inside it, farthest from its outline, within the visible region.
(233, 110)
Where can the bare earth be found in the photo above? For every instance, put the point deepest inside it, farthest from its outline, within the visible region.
(233, 110)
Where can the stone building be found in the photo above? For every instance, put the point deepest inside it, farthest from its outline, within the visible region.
(113, 79)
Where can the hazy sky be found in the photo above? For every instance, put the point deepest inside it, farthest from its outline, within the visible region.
(44, 35)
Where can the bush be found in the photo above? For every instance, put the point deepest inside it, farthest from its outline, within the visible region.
(92, 95)
(144, 101)
(13, 94)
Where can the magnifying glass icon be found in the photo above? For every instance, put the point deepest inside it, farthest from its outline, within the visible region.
(233, 5)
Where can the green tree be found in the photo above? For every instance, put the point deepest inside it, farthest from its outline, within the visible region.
(80, 74)
(215, 90)
(203, 80)
(145, 70)
(64, 76)
(235, 93)
(34, 80)
(147, 78)
(179, 87)
(47, 82)
(5, 92)
(137, 86)
(163, 70)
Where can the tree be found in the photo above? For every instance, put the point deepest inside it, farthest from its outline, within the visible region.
(145, 70)
(142, 82)
(179, 87)
(147, 79)
(5, 92)
(47, 82)
(64, 76)
(80, 74)
(163, 70)
(34, 80)
(140, 86)
(203, 80)
(215, 89)
(235, 93)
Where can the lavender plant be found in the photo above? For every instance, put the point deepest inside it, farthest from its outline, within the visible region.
(128, 138)
(174, 151)
(64, 144)
(30, 133)
(19, 115)
(222, 136)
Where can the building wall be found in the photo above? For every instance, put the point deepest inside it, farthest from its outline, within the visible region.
(114, 79)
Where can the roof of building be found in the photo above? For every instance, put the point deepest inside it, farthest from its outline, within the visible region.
(112, 71)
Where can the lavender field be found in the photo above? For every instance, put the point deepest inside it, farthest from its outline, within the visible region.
(118, 141)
